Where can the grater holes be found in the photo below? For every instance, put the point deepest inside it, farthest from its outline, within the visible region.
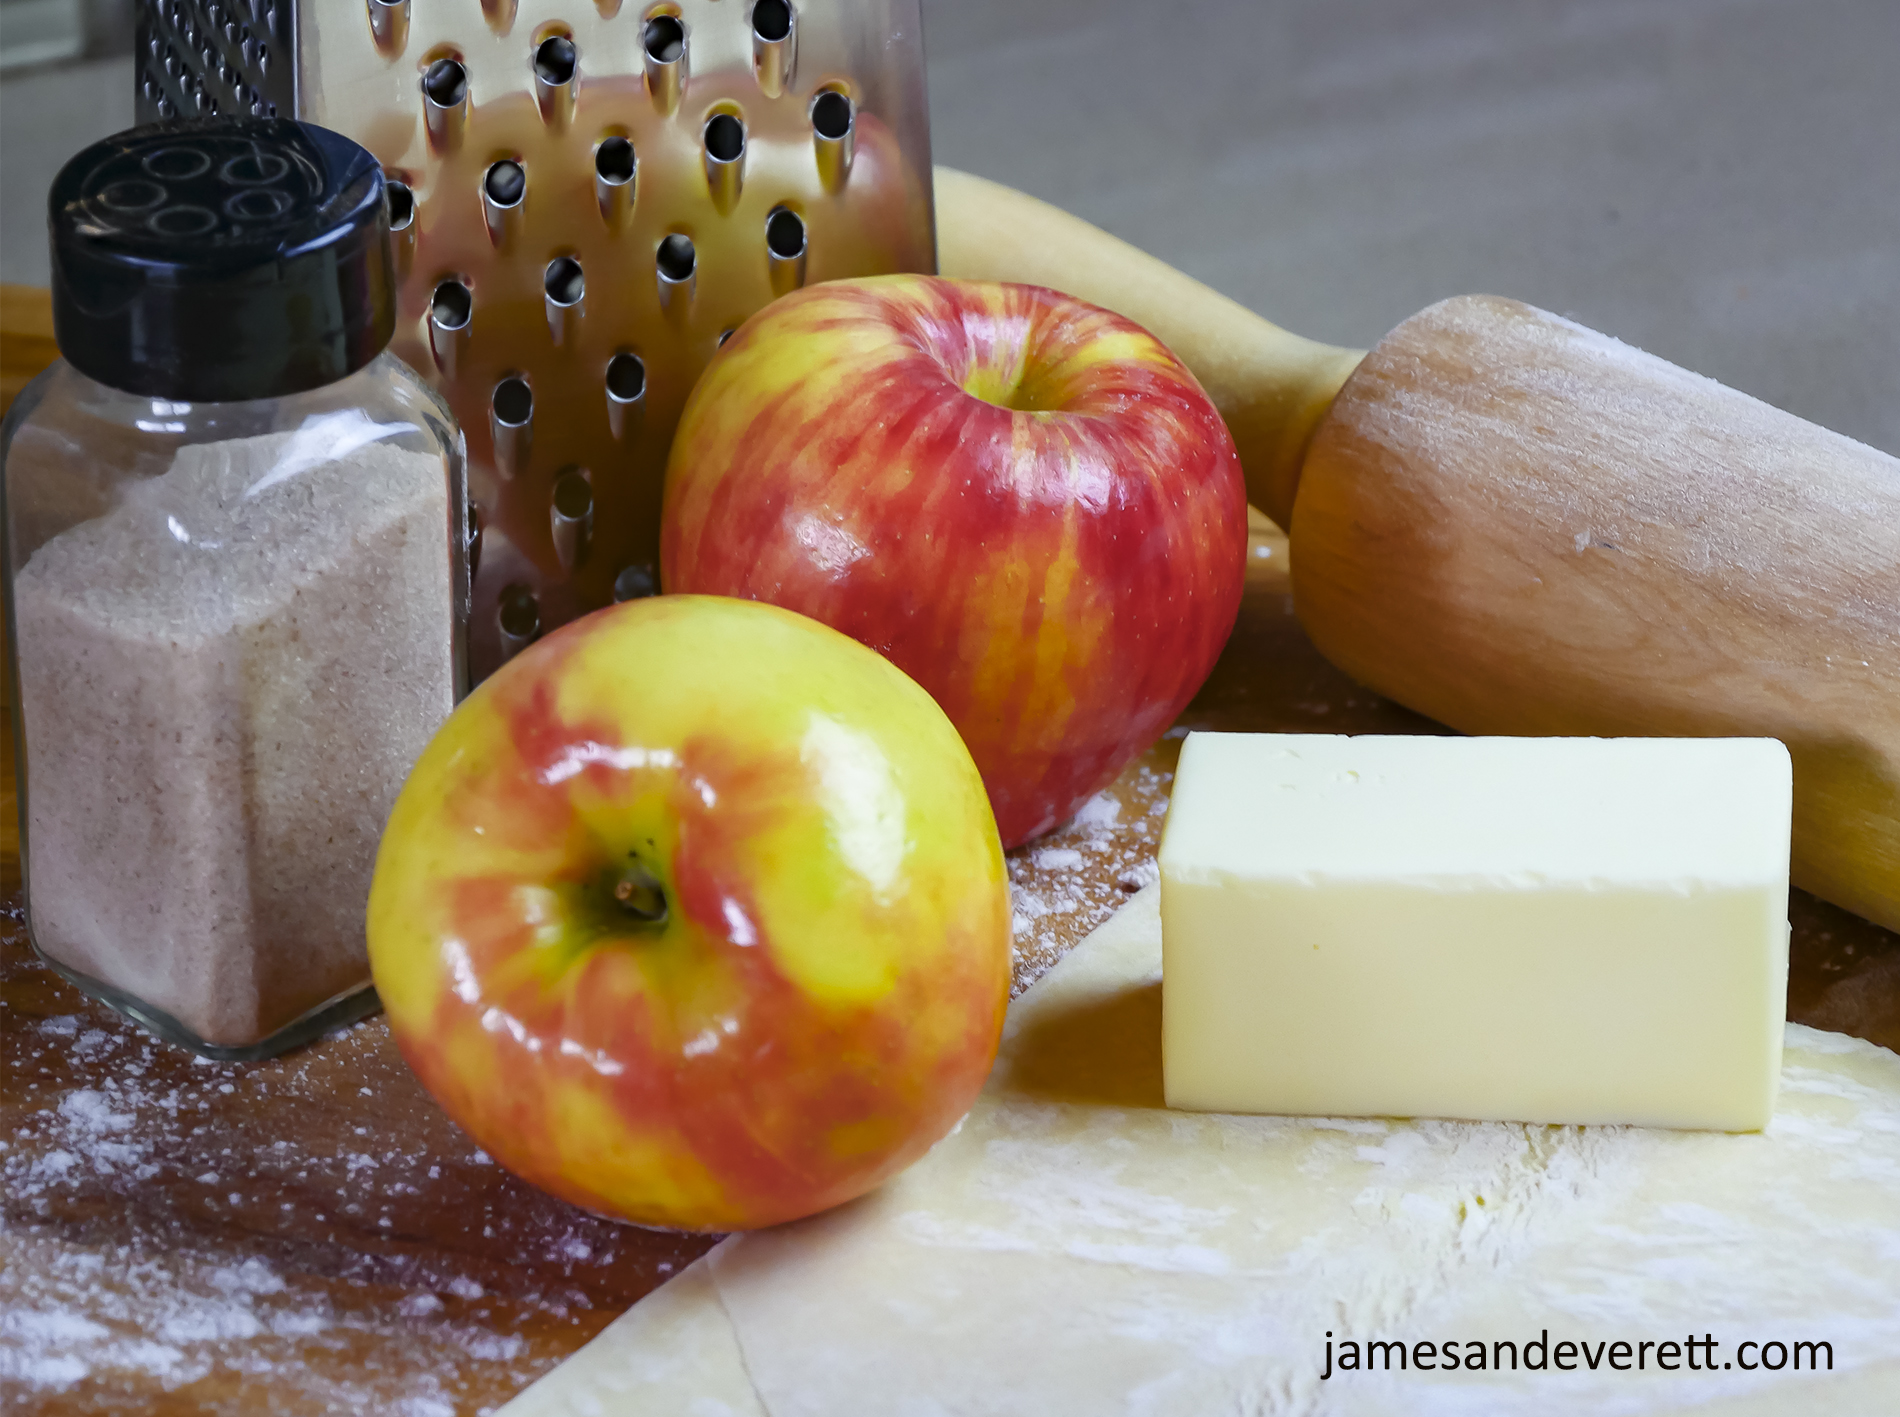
(513, 402)
(772, 20)
(505, 183)
(518, 615)
(626, 378)
(665, 39)
(785, 234)
(832, 115)
(446, 83)
(571, 517)
(402, 205)
(614, 161)
(635, 582)
(389, 24)
(444, 102)
(773, 43)
(573, 495)
(555, 60)
(615, 166)
(556, 63)
(725, 335)
(510, 424)
(725, 138)
(785, 246)
(677, 259)
(626, 392)
(451, 305)
(833, 125)
(563, 281)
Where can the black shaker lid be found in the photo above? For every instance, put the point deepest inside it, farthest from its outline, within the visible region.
(217, 259)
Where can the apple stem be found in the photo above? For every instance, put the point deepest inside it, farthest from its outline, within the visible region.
(640, 895)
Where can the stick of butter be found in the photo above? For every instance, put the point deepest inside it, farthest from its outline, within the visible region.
(1559, 930)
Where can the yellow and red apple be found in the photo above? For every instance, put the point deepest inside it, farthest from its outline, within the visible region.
(695, 914)
(1023, 500)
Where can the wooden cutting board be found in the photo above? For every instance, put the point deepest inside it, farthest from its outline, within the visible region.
(312, 1234)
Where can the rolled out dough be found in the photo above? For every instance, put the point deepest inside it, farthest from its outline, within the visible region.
(1076, 1248)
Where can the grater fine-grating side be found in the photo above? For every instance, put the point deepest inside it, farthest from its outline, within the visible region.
(587, 198)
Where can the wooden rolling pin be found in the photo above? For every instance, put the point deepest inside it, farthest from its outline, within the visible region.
(1518, 526)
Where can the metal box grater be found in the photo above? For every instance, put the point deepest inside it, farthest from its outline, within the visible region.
(587, 199)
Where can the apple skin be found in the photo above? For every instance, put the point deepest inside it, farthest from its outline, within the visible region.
(824, 997)
(1024, 501)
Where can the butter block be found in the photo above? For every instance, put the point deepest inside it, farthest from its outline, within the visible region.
(1555, 930)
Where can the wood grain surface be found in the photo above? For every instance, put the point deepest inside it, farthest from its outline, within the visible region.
(312, 1235)
(1518, 525)
(26, 338)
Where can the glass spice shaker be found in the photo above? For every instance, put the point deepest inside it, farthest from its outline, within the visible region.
(236, 552)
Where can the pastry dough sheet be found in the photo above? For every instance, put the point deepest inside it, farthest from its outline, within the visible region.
(1076, 1248)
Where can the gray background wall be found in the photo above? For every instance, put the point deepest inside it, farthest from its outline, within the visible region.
(1715, 180)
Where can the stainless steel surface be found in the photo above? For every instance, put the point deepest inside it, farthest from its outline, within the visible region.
(511, 425)
(571, 518)
(402, 226)
(445, 103)
(676, 268)
(616, 178)
(517, 619)
(201, 58)
(389, 24)
(504, 186)
(566, 286)
(785, 249)
(774, 45)
(834, 124)
(626, 394)
(723, 140)
(548, 149)
(665, 57)
(555, 83)
(451, 312)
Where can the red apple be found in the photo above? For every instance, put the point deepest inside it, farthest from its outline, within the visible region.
(695, 914)
(1024, 501)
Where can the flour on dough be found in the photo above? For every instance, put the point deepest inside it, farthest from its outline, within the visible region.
(1076, 1248)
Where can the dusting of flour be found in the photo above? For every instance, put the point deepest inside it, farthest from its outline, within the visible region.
(1065, 884)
